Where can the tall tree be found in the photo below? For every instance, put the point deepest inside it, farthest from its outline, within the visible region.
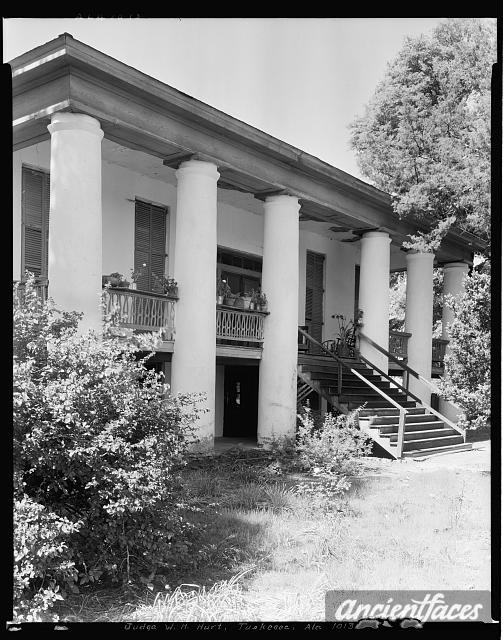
(425, 135)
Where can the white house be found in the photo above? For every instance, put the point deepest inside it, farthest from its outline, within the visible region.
(114, 169)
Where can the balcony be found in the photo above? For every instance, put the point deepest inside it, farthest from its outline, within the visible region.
(239, 332)
(143, 311)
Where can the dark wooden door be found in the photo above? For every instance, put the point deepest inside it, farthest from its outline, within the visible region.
(315, 263)
(240, 401)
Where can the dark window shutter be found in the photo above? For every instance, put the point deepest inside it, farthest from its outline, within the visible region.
(35, 219)
(314, 293)
(149, 243)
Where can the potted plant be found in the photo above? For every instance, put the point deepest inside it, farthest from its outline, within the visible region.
(346, 337)
(262, 301)
(223, 290)
(239, 302)
(115, 279)
(136, 274)
(247, 298)
(166, 285)
(229, 299)
(254, 305)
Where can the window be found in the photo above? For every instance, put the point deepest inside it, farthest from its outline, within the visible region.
(35, 221)
(242, 272)
(149, 242)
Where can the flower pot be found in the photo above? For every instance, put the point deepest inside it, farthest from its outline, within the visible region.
(263, 308)
(239, 304)
(229, 301)
(132, 285)
(252, 306)
(246, 302)
(220, 299)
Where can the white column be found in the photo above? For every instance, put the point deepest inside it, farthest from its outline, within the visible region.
(454, 272)
(75, 256)
(194, 358)
(277, 409)
(374, 295)
(419, 318)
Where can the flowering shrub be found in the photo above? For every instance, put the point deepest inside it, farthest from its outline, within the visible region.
(334, 447)
(97, 446)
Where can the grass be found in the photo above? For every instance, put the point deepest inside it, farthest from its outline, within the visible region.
(271, 545)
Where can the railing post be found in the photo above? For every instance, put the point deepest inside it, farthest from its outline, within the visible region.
(401, 429)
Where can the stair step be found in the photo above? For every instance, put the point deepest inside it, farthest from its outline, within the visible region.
(386, 429)
(453, 448)
(430, 443)
(378, 404)
(424, 417)
(368, 413)
(423, 435)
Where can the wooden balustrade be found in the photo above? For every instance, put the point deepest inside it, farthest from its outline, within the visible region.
(438, 346)
(40, 287)
(142, 310)
(239, 325)
(398, 344)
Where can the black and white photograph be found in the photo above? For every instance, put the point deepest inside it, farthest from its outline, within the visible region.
(253, 321)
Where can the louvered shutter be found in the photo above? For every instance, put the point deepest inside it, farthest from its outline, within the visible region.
(150, 242)
(35, 217)
(314, 294)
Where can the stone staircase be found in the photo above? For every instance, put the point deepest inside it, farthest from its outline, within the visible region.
(424, 433)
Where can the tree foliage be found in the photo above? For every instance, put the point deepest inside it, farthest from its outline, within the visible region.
(467, 377)
(97, 445)
(425, 135)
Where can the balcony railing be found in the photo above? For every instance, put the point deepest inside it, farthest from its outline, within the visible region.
(40, 287)
(240, 326)
(398, 341)
(142, 310)
(438, 346)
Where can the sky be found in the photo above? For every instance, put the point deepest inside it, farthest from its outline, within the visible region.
(302, 80)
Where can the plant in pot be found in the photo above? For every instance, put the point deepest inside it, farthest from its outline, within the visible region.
(254, 304)
(262, 301)
(223, 290)
(115, 279)
(136, 274)
(230, 299)
(346, 337)
(239, 303)
(165, 285)
(247, 298)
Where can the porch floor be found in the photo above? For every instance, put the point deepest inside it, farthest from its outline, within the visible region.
(225, 443)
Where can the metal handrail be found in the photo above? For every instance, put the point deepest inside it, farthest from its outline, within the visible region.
(402, 410)
(406, 388)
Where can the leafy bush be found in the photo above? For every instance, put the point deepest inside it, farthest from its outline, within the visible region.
(467, 376)
(42, 558)
(335, 447)
(97, 443)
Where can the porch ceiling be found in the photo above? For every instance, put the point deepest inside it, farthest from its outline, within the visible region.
(141, 113)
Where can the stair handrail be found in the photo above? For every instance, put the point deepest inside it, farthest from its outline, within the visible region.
(406, 388)
(402, 410)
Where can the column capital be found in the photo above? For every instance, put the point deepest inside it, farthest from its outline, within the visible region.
(65, 121)
(455, 265)
(283, 198)
(198, 167)
(419, 256)
(377, 235)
